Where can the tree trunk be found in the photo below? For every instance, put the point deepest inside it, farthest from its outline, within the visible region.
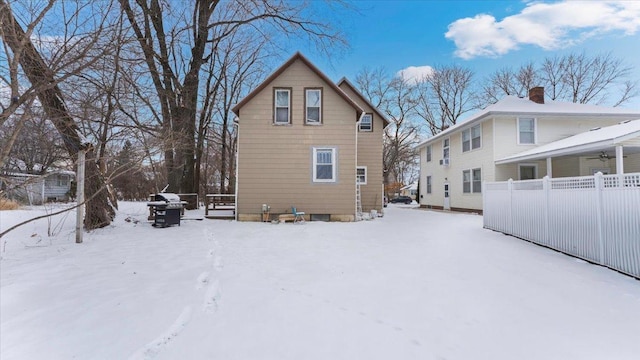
(99, 211)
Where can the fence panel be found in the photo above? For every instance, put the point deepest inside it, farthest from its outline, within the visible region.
(596, 218)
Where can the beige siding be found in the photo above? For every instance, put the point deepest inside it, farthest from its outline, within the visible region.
(370, 155)
(275, 161)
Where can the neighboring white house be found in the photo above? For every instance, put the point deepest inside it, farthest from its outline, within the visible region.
(410, 190)
(37, 189)
(500, 142)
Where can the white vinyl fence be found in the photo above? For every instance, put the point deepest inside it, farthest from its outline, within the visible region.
(596, 218)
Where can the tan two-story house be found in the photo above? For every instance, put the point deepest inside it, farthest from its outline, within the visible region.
(499, 143)
(305, 142)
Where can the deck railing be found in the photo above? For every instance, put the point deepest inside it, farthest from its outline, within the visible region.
(596, 218)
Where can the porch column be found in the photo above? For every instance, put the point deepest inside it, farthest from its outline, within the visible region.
(549, 168)
(619, 160)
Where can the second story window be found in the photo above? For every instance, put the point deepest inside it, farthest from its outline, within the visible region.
(445, 149)
(471, 138)
(429, 153)
(313, 106)
(282, 106)
(526, 131)
(366, 122)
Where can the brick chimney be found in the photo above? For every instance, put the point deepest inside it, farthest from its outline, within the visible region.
(536, 94)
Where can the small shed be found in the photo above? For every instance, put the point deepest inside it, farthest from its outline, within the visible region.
(37, 189)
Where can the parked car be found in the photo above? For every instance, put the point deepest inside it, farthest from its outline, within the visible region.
(402, 199)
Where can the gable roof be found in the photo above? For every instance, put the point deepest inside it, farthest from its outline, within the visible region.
(513, 105)
(597, 139)
(281, 69)
(346, 81)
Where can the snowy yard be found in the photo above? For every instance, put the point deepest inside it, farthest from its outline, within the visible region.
(412, 285)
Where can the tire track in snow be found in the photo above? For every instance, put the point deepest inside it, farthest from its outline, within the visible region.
(153, 348)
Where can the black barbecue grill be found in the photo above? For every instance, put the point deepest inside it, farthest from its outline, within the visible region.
(166, 209)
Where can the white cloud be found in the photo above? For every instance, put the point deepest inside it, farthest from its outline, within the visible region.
(415, 73)
(546, 25)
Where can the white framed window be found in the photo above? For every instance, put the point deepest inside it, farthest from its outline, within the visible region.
(324, 164)
(445, 149)
(313, 106)
(526, 131)
(428, 184)
(361, 175)
(366, 122)
(428, 153)
(472, 138)
(527, 171)
(471, 181)
(282, 106)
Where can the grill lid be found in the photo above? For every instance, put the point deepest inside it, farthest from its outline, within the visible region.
(167, 197)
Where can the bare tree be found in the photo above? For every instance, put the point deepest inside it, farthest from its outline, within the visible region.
(77, 52)
(445, 96)
(577, 78)
(397, 97)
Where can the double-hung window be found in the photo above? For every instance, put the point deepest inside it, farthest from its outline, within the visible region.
(429, 153)
(472, 181)
(366, 122)
(313, 106)
(445, 151)
(282, 106)
(471, 138)
(324, 164)
(428, 184)
(361, 175)
(526, 131)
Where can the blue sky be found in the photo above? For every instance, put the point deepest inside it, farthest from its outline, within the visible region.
(482, 35)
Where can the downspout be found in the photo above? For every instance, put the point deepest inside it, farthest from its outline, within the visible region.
(236, 123)
(355, 189)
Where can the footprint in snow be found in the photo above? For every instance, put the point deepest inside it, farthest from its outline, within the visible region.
(212, 297)
(153, 348)
(203, 279)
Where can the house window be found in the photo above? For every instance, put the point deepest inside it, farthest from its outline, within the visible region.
(282, 106)
(313, 106)
(429, 153)
(324, 164)
(366, 122)
(361, 175)
(528, 171)
(471, 181)
(526, 131)
(445, 149)
(471, 138)
(428, 184)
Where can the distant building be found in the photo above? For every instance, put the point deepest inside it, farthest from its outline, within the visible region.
(37, 189)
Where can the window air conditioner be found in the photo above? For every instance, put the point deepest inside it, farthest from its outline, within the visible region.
(444, 162)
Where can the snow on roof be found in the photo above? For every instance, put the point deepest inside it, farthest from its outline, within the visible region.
(595, 139)
(523, 106)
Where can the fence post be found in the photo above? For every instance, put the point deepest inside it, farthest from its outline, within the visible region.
(510, 188)
(599, 184)
(546, 188)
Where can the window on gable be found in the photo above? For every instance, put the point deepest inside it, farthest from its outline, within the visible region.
(471, 181)
(282, 106)
(366, 122)
(429, 153)
(526, 131)
(313, 106)
(361, 175)
(324, 164)
(471, 138)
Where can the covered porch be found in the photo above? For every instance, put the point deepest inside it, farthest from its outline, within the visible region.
(610, 150)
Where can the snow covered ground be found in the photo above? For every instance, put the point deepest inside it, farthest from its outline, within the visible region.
(412, 285)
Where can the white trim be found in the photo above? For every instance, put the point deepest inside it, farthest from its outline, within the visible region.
(533, 165)
(448, 147)
(358, 177)
(333, 163)
(428, 153)
(535, 129)
(471, 187)
(470, 131)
